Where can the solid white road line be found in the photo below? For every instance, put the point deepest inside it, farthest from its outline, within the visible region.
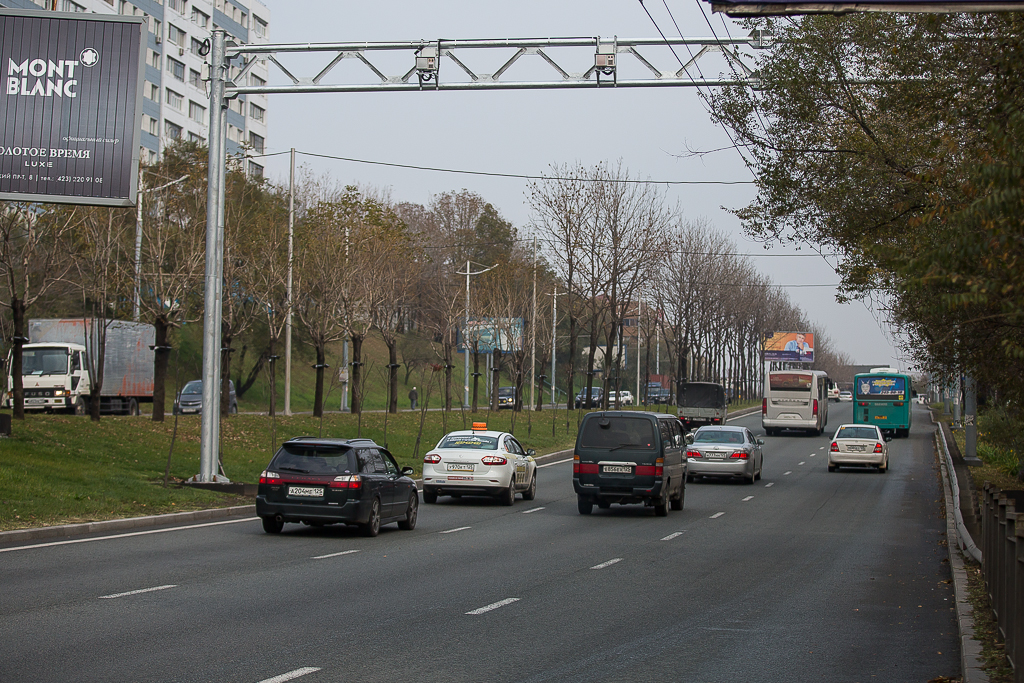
(343, 552)
(785, 473)
(671, 536)
(526, 512)
(141, 590)
(608, 563)
(131, 533)
(716, 515)
(452, 531)
(748, 498)
(291, 674)
(493, 606)
(769, 484)
(557, 462)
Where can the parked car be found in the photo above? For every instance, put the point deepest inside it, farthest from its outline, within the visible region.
(506, 397)
(725, 451)
(859, 444)
(629, 458)
(845, 396)
(479, 462)
(330, 481)
(190, 400)
(658, 395)
(625, 398)
(595, 397)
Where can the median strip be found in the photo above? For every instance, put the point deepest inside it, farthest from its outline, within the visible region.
(452, 531)
(141, 590)
(291, 674)
(607, 564)
(343, 552)
(493, 606)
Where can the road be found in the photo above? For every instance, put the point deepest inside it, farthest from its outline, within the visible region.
(803, 576)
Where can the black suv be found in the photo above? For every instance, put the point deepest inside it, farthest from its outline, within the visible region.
(629, 457)
(327, 481)
(596, 394)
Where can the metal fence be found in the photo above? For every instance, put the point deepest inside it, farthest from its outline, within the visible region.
(1002, 530)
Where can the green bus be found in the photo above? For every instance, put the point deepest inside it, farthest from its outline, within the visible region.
(882, 397)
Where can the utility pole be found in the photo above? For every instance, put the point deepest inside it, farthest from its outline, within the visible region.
(289, 293)
(137, 302)
(533, 334)
(554, 344)
(465, 330)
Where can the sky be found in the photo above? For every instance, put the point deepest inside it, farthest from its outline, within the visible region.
(651, 131)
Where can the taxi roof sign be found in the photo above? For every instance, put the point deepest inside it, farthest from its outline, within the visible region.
(479, 426)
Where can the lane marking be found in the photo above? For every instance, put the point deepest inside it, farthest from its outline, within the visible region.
(343, 552)
(716, 515)
(748, 498)
(141, 590)
(821, 448)
(526, 512)
(608, 563)
(493, 606)
(671, 536)
(131, 533)
(291, 674)
(559, 462)
(812, 455)
(801, 462)
(769, 484)
(452, 531)
(785, 473)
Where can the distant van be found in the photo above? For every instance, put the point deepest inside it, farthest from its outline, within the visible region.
(629, 457)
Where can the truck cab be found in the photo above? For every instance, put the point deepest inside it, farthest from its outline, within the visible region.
(54, 377)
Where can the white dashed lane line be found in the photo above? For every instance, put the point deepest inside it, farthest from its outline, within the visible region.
(137, 592)
(526, 512)
(452, 531)
(608, 563)
(291, 675)
(812, 455)
(126, 535)
(785, 473)
(493, 606)
(343, 552)
(821, 448)
(671, 536)
(716, 515)
(748, 498)
(802, 462)
(769, 484)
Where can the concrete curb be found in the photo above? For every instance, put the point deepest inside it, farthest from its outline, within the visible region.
(970, 649)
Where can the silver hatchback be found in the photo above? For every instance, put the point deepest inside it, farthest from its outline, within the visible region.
(723, 451)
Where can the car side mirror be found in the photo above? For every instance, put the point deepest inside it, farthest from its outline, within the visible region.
(531, 452)
(407, 471)
(887, 437)
(689, 439)
(760, 442)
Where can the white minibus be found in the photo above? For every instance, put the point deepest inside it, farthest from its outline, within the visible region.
(795, 399)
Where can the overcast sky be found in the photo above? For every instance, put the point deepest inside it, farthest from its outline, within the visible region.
(523, 132)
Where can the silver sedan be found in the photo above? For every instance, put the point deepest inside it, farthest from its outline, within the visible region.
(723, 451)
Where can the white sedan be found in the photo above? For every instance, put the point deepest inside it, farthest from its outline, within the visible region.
(859, 444)
(482, 463)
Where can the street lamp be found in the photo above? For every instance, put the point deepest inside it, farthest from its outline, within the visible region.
(137, 302)
(465, 334)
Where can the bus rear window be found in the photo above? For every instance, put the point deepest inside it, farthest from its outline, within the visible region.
(790, 381)
(881, 388)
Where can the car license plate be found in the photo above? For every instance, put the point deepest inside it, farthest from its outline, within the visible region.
(715, 456)
(617, 469)
(855, 449)
(460, 467)
(307, 491)
(35, 400)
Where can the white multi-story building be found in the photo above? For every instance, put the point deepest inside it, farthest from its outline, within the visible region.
(176, 99)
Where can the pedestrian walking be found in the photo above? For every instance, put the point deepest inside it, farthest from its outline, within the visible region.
(413, 396)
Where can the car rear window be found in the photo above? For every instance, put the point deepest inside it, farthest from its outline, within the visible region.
(471, 441)
(717, 436)
(318, 459)
(701, 395)
(857, 433)
(617, 432)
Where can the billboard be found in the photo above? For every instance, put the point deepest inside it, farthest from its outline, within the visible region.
(71, 107)
(766, 8)
(790, 347)
(488, 334)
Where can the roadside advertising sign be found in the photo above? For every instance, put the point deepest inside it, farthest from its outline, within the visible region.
(488, 334)
(790, 347)
(71, 107)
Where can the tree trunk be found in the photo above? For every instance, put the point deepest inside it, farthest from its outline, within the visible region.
(20, 338)
(497, 379)
(392, 374)
(318, 397)
(591, 355)
(357, 373)
(448, 375)
(161, 358)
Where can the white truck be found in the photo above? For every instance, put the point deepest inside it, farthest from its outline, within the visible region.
(55, 366)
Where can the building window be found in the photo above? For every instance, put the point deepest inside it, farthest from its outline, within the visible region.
(237, 106)
(172, 130)
(255, 170)
(259, 26)
(175, 100)
(176, 35)
(177, 5)
(235, 134)
(200, 19)
(256, 141)
(153, 92)
(151, 125)
(176, 68)
(196, 47)
(257, 81)
(256, 112)
(154, 28)
(195, 79)
(68, 6)
(195, 137)
(154, 59)
(197, 112)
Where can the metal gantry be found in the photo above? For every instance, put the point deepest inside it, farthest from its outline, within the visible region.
(590, 62)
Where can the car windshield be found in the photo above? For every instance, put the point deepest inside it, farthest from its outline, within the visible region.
(193, 387)
(857, 433)
(474, 442)
(506, 391)
(44, 362)
(718, 436)
(618, 432)
(314, 459)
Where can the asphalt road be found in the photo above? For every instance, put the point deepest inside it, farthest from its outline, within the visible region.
(803, 576)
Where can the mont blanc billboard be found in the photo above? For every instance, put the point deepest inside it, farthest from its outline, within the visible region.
(71, 107)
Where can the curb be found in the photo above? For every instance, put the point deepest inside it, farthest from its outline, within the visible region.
(970, 649)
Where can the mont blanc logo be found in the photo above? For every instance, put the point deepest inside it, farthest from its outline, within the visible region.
(89, 57)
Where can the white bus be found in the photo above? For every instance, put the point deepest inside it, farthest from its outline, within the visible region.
(795, 399)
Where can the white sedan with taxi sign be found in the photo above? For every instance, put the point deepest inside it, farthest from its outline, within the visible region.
(479, 462)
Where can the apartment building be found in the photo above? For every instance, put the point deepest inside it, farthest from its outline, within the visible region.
(176, 98)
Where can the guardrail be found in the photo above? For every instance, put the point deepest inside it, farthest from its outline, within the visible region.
(964, 539)
(1002, 530)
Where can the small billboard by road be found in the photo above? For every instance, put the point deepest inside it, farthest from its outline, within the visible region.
(792, 347)
(484, 335)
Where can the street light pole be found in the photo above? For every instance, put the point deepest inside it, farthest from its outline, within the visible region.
(465, 330)
(288, 320)
(137, 302)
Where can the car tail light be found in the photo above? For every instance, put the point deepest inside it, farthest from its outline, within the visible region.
(814, 411)
(740, 455)
(764, 406)
(693, 454)
(575, 464)
(834, 448)
(878, 448)
(659, 467)
(588, 468)
(432, 458)
(265, 477)
(493, 460)
(347, 481)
